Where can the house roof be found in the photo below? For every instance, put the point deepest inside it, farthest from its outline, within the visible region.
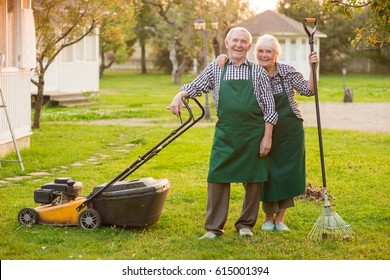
(270, 22)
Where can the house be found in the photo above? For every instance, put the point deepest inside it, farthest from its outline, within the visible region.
(73, 72)
(290, 34)
(17, 43)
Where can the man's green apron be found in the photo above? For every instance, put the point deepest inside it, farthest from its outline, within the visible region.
(287, 174)
(238, 133)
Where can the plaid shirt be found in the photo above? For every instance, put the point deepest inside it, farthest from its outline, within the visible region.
(293, 81)
(209, 80)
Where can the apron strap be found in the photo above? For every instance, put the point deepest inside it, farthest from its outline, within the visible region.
(281, 81)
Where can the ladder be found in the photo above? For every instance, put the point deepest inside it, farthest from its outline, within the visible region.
(4, 106)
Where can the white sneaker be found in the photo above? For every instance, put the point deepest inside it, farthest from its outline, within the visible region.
(246, 232)
(209, 235)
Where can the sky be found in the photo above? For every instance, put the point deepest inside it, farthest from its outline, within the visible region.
(262, 5)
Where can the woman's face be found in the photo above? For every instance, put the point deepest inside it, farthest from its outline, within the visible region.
(266, 56)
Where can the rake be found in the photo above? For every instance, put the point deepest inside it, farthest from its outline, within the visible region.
(329, 223)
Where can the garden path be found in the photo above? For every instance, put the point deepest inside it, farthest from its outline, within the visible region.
(364, 117)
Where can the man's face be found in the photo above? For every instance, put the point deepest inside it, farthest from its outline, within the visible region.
(238, 45)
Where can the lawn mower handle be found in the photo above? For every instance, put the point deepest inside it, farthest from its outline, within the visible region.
(153, 151)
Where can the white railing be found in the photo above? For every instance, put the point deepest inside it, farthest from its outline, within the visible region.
(17, 93)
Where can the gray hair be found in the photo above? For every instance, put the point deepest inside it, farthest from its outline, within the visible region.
(237, 29)
(269, 41)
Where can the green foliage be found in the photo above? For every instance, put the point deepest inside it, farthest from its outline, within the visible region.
(173, 29)
(356, 171)
(115, 31)
(60, 24)
(349, 30)
(374, 32)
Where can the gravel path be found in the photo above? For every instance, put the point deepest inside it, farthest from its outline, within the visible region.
(365, 117)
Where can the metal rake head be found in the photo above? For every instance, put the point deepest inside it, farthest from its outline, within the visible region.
(330, 224)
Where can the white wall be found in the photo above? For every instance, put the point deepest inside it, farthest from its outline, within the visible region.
(76, 69)
(17, 42)
(15, 86)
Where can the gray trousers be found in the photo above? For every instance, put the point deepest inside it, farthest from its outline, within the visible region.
(218, 197)
(275, 206)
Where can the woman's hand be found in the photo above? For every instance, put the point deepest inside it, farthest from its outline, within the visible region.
(221, 60)
(266, 142)
(265, 146)
(313, 58)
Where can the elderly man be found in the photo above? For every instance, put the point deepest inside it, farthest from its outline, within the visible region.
(243, 133)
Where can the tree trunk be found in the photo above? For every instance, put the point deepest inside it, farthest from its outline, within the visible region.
(182, 68)
(216, 47)
(39, 101)
(143, 57)
(101, 70)
(175, 65)
(101, 66)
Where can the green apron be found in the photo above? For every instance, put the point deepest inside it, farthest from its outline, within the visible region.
(287, 171)
(238, 133)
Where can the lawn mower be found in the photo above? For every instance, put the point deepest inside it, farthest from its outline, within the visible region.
(129, 203)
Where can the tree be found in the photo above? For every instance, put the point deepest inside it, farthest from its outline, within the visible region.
(145, 23)
(174, 29)
(115, 35)
(60, 24)
(374, 32)
(336, 48)
(341, 22)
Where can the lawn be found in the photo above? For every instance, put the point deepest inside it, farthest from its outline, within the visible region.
(365, 87)
(67, 145)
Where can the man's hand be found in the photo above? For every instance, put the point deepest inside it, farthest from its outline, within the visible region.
(177, 104)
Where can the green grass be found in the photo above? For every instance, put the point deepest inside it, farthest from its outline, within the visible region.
(133, 95)
(357, 173)
(365, 87)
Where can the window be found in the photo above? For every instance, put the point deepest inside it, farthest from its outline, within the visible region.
(7, 31)
(91, 47)
(10, 38)
(303, 49)
(282, 43)
(293, 49)
(67, 54)
(79, 50)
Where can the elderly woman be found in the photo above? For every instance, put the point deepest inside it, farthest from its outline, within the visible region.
(287, 169)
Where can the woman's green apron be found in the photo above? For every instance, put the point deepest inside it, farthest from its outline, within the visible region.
(238, 133)
(287, 174)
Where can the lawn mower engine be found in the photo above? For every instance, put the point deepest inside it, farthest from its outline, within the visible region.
(61, 191)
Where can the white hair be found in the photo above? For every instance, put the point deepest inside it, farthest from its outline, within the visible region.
(237, 29)
(268, 41)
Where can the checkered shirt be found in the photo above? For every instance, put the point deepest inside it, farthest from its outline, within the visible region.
(209, 80)
(293, 82)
